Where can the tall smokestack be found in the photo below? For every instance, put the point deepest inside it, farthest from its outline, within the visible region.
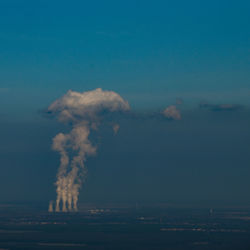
(82, 110)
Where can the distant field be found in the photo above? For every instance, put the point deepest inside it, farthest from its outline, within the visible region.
(124, 228)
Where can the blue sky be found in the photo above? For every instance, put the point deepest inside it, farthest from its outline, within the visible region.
(150, 52)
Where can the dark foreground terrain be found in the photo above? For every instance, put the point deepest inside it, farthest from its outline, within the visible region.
(124, 227)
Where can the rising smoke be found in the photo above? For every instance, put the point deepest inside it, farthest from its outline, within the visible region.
(50, 206)
(84, 111)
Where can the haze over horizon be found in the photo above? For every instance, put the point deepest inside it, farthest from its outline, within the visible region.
(182, 66)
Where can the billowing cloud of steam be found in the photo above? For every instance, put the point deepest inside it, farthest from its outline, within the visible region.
(171, 112)
(83, 111)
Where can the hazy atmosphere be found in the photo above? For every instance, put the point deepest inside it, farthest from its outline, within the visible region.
(124, 125)
(181, 67)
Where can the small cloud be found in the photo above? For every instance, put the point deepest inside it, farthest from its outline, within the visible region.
(220, 107)
(116, 127)
(171, 112)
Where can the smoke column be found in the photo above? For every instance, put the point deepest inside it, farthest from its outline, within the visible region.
(84, 111)
(50, 207)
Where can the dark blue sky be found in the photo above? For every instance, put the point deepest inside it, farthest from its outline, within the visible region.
(150, 52)
(137, 48)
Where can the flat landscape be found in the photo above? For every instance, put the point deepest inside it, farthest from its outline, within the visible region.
(124, 227)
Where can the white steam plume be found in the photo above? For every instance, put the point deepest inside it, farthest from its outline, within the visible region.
(83, 111)
(50, 207)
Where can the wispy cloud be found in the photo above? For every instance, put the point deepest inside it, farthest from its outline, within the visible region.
(4, 90)
(221, 107)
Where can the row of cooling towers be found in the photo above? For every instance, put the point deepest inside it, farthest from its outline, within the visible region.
(66, 207)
